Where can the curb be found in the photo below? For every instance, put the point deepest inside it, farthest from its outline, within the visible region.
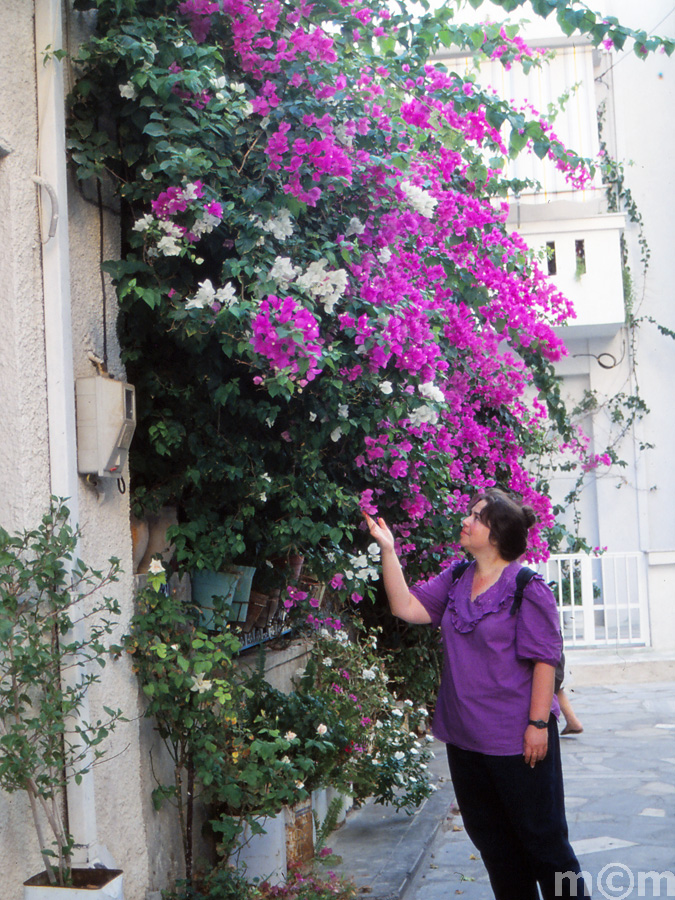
(381, 849)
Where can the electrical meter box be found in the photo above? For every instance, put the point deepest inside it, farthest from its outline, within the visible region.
(106, 419)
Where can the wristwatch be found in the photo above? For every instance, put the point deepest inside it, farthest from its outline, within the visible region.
(538, 723)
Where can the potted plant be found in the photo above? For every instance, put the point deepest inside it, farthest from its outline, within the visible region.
(53, 625)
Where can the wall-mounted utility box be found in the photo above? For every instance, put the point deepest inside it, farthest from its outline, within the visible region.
(106, 419)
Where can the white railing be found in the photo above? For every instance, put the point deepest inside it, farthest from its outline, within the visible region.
(602, 600)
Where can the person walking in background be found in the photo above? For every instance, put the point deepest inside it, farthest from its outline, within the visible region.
(496, 710)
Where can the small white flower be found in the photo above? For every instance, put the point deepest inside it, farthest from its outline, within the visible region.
(246, 109)
(429, 390)
(312, 417)
(343, 411)
(156, 567)
(321, 729)
(407, 703)
(419, 199)
(373, 550)
(204, 296)
(290, 735)
(355, 226)
(144, 222)
(369, 674)
(336, 434)
(200, 684)
(396, 712)
(422, 415)
(128, 91)
(327, 661)
(226, 294)
(281, 225)
(190, 191)
(283, 270)
(384, 255)
(399, 755)
(167, 246)
(237, 87)
(386, 387)
(299, 784)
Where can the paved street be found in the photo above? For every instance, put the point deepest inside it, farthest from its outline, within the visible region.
(620, 790)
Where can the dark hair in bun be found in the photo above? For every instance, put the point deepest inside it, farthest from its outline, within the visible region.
(508, 521)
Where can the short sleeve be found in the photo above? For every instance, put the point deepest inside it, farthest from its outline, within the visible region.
(433, 594)
(538, 627)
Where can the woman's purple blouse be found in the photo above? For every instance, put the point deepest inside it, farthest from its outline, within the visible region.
(484, 696)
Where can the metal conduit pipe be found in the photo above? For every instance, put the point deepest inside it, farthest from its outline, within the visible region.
(52, 187)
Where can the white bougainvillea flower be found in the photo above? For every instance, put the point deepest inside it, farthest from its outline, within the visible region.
(431, 392)
(423, 415)
(355, 226)
(128, 91)
(384, 255)
(419, 199)
(283, 270)
(336, 434)
(386, 387)
(168, 246)
(205, 296)
(280, 225)
(144, 222)
(226, 294)
(156, 567)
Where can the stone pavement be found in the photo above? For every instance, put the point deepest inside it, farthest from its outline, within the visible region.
(620, 793)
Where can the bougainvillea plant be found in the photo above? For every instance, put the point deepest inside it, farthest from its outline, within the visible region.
(320, 303)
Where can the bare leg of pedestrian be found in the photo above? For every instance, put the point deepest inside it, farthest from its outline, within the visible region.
(572, 723)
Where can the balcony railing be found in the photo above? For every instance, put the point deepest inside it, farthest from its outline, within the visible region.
(602, 600)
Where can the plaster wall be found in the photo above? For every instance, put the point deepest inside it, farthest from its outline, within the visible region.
(129, 832)
(24, 470)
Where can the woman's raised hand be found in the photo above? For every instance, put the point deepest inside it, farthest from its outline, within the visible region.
(380, 532)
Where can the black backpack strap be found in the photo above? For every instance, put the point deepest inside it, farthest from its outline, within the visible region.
(523, 578)
(459, 569)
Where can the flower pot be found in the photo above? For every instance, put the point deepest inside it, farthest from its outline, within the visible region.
(239, 605)
(256, 614)
(88, 884)
(299, 833)
(213, 592)
(263, 856)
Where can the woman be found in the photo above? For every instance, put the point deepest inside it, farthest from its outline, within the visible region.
(496, 710)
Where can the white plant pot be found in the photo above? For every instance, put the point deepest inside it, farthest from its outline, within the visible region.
(263, 856)
(110, 889)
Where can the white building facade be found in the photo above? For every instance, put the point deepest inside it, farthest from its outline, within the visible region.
(614, 343)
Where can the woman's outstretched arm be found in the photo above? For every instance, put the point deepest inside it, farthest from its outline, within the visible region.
(401, 602)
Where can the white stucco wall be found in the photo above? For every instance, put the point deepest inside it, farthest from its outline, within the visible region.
(136, 838)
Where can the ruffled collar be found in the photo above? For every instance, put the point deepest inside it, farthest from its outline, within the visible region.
(465, 613)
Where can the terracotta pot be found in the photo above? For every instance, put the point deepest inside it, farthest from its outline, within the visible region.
(140, 535)
(257, 609)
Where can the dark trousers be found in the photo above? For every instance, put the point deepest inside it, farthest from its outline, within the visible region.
(515, 815)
